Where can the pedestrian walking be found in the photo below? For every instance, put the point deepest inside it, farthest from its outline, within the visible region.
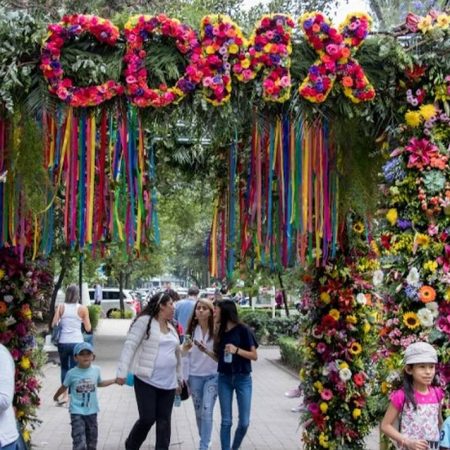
(202, 368)
(83, 381)
(235, 347)
(152, 352)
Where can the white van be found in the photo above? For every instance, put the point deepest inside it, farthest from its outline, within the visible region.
(111, 301)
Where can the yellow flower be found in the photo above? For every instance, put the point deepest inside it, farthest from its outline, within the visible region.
(355, 348)
(2, 273)
(426, 24)
(343, 365)
(410, 320)
(427, 111)
(335, 314)
(431, 266)
(233, 49)
(210, 50)
(374, 248)
(25, 363)
(358, 227)
(245, 64)
(20, 413)
(319, 386)
(325, 297)
(447, 294)
(302, 374)
(443, 21)
(392, 216)
(351, 319)
(413, 119)
(26, 435)
(384, 387)
(324, 407)
(323, 440)
(366, 327)
(421, 239)
(356, 413)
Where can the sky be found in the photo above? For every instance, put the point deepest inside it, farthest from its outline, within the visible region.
(342, 8)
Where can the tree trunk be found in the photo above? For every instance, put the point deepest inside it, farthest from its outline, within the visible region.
(56, 288)
(80, 278)
(196, 280)
(122, 304)
(283, 292)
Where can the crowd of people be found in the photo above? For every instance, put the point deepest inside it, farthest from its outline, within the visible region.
(194, 345)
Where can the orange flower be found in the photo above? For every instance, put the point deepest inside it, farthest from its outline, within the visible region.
(427, 294)
(347, 81)
(3, 308)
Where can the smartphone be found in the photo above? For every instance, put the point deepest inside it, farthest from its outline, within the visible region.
(199, 344)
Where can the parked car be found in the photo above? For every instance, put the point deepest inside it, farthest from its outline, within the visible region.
(111, 301)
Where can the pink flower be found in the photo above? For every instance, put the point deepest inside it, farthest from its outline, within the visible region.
(326, 394)
(422, 150)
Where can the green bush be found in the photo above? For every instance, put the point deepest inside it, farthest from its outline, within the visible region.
(290, 352)
(116, 315)
(94, 315)
(266, 329)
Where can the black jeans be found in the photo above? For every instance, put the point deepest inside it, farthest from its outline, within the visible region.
(84, 431)
(154, 405)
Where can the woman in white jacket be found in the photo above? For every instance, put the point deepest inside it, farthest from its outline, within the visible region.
(152, 352)
(198, 348)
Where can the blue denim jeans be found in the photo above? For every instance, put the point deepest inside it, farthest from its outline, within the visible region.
(204, 395)
(242, 384)
(66, 358)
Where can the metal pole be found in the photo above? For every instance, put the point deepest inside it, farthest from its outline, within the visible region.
(80, 277)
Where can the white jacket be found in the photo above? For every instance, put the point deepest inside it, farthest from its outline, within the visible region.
(139, 353)
(8, 427)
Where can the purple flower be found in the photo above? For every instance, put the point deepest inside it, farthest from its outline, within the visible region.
(404, 224)
(394, 170)
(411, 292)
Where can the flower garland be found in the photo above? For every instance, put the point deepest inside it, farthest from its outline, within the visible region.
(339, 337)
(222, 42)
(415, 242)
(72, 27)
(20, 289)
(335, 62)
(269, 47)
(138, 31)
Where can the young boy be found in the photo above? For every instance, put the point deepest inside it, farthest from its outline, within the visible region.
(82, 382)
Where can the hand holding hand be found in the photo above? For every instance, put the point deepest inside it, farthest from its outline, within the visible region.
(413, 444)
(120, 381)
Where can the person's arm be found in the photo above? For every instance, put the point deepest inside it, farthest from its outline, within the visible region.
(56, 316)
(105, 383)
(202, 347)
(388, 428)
(6, 380)
(83, 312)
(61, 390)
(251, 354)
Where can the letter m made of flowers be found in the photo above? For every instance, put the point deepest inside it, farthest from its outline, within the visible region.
(336, 63)
(225, 51)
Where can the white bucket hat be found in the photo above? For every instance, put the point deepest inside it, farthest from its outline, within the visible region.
(420, 352)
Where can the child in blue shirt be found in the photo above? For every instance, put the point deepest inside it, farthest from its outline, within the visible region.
(82, 381)
(445, 435)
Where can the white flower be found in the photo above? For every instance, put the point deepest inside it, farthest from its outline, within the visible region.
(434, 308)
(361, 299)
(325, 371)
(378, 276)
(8, 298)
(425, 317)
(345, 374)
(413, 277)
(10, 321)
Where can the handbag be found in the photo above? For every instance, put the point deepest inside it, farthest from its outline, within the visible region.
(56, 334)
(184, 394)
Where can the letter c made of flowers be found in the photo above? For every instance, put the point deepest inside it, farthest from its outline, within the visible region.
(69, 28)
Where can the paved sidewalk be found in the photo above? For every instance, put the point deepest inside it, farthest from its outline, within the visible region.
(272, 426)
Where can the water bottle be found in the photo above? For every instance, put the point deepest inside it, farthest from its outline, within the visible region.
(177, 400)
(129, 381)
(227, 357)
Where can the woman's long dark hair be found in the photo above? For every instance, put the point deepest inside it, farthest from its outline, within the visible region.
(193, 322)
(408, 387)
(152, 308)
(228, 313)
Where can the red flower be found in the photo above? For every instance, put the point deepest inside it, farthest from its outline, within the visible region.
(421, 151)
(359, 379)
